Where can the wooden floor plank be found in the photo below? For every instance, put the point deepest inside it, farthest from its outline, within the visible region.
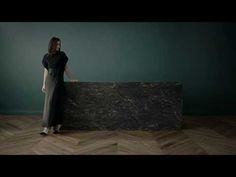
(200, 135)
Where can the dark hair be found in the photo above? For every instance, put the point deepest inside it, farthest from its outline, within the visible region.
(52, 45)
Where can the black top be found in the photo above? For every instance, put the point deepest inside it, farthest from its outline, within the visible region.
(55, 61)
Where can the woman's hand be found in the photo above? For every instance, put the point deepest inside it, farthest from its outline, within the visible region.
(74, 80)
(43, 89)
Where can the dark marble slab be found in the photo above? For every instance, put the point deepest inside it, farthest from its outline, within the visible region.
(123, 105)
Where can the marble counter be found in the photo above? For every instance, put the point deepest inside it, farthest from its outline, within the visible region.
(123, 105)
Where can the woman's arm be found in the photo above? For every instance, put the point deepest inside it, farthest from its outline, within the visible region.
(69, 75)
(45, 74)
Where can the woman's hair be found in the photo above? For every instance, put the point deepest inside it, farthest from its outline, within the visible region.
(52, 45)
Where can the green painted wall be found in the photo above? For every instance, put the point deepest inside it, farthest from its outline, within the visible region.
(200, 55)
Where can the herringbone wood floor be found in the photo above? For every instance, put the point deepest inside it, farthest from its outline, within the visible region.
(201, 135)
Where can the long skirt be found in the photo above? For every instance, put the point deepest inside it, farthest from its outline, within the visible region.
(53, 103)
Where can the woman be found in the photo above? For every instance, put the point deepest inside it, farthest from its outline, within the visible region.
(55, 64)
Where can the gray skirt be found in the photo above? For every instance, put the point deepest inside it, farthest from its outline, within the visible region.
(53, 102)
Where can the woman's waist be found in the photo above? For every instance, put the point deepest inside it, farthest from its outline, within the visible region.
(53, 69)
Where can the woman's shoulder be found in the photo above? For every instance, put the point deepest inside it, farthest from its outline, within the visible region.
(45, 55)
(64, 56)
(62, 53)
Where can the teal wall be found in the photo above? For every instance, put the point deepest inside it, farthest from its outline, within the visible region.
(200, 55)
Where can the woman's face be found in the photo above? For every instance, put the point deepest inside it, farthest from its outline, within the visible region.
(58, 45)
